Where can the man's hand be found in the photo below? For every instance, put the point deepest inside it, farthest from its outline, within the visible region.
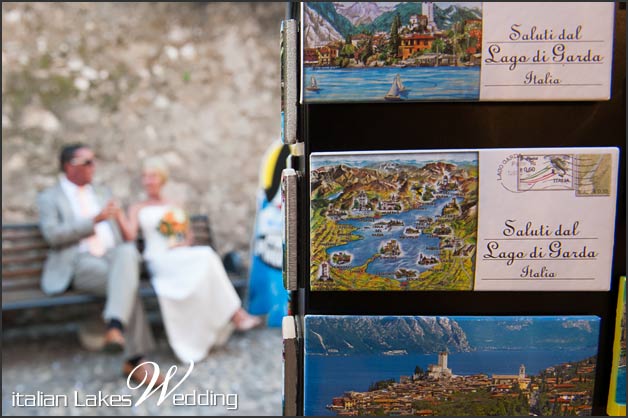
(110, 210)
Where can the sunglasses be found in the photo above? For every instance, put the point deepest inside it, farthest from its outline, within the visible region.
(81, 162)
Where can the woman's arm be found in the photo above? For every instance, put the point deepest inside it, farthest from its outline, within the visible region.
(129, 226)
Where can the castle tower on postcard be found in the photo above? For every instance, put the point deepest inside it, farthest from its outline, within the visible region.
(440, 370)
(522, 372)
(323, 272)
(362, 201)
(414, 21)
(427, 9)
(442, 360)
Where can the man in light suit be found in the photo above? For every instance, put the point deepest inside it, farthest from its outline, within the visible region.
(80, 222)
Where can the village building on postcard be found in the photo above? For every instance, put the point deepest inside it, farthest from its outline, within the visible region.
(383, 34)
(431, 392)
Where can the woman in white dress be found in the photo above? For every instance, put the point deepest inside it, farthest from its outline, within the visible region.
(199, 305)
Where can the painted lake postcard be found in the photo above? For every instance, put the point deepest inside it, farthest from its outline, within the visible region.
(617, 389)
(391, 51)
(393, 220)
(450, 366)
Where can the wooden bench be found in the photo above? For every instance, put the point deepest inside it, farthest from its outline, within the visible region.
(24, 252)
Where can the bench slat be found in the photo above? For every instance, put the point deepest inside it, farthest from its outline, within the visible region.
(9, 260)
(21, 234)
(20, 273)
(204, 241)
(24, 283)
(24, 247)
(35, 298)
(19, 227)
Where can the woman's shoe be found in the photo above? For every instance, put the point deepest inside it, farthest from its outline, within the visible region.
(248, 322)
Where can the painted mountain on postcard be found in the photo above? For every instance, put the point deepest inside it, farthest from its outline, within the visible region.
(403, 221)
(346, 335)
(449, 366)
(391, 51)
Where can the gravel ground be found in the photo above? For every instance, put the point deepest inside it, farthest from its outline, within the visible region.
(53, 362)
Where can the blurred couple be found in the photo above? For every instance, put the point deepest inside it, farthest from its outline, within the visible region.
(93, 250)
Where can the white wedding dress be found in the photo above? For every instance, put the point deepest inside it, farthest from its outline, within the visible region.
(196, 297)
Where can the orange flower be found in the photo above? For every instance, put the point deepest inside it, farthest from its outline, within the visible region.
(174, 222)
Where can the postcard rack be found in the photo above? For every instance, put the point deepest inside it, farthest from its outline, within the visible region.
(362, 172)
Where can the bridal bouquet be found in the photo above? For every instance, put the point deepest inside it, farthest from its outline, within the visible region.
(173, 225)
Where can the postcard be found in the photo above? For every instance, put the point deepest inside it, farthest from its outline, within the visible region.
(449, 365)
(490, 219)
(617, 391)
(393, 221)
(448, 51)
(547, 51)
(546, 219)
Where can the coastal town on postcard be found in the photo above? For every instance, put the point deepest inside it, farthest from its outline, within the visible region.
(450, 366)
(563, 389)
(393, 222)
(396, 50)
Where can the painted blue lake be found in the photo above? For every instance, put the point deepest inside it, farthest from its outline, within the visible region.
(372, 84)
(363, 249)
(329, 376)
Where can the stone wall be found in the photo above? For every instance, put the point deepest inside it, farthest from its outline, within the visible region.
(195, 83)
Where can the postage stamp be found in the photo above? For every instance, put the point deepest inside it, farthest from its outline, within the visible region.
(545, 172)
(593, 174)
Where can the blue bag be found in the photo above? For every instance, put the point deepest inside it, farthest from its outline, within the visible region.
(266, 293)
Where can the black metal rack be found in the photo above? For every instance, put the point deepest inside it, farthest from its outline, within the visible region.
(324, 127)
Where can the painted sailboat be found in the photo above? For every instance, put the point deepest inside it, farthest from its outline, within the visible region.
(402, 88)
(313, 85)
(396, 90)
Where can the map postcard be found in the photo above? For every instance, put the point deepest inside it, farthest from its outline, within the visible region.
(450, 365)
(464, 51)
(461, 220)
(402, 221)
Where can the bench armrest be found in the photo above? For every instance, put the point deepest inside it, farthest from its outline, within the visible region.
(233, 263)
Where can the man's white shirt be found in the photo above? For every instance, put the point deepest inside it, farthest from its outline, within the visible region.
(102, 229)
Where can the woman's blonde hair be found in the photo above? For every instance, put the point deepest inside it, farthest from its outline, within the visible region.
(157, 165)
